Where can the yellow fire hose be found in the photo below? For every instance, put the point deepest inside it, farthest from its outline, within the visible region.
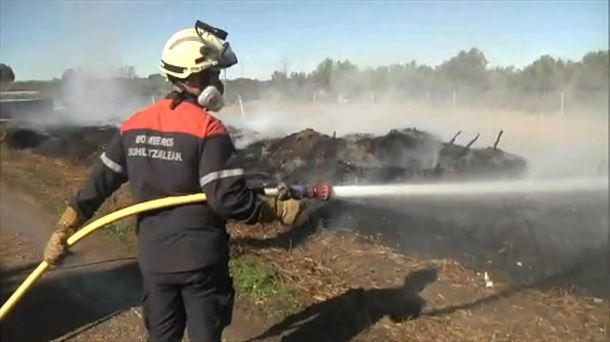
(90, 228)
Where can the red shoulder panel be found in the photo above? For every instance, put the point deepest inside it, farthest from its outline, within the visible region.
(215, 127)
(186, 118)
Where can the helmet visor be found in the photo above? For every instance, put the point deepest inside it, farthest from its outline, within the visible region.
(215, 40)
(226, 57)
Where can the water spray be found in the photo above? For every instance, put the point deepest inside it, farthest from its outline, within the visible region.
(325, 190)
(513, 187)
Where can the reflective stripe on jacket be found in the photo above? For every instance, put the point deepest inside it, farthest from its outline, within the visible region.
(166, 152)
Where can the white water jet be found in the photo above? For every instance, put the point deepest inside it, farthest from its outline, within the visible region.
(529, 186)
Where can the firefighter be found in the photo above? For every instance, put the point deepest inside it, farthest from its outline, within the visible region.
(176, 147)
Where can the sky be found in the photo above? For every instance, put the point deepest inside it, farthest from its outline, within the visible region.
(40, 39)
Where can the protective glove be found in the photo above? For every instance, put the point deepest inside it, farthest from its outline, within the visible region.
(286, 211)
(57, 246)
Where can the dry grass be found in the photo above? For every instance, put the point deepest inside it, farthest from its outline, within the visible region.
(458, 306)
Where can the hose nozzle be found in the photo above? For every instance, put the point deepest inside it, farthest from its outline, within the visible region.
(322, 191)
(319, 191)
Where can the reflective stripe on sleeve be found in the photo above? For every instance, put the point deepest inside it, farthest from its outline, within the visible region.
(111, 164)
(216, 175)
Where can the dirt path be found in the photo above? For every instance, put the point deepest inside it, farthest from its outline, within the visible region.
(95, 295)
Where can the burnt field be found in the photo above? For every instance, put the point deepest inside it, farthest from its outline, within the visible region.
(551, 240)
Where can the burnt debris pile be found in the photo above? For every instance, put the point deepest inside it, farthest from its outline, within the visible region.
(399, 156)
(307, 156)
(77, 144)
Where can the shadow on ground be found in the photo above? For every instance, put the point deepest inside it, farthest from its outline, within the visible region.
(566, 277)
(345, 316)
(67, 300)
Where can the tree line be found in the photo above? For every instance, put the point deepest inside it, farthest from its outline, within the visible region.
(547, 84)
(465, 78)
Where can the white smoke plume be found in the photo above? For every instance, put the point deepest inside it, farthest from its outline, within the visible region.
(573, 146)
(99, 87)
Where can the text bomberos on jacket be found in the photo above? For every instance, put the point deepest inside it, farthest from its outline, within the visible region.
(156, 148)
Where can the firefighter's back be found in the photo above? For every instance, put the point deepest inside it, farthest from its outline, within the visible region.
(162, 148)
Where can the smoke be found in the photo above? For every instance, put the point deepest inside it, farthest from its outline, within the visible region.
(98, 88)
(573, 146)
(90, 99)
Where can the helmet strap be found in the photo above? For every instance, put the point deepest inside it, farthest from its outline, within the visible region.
(179, 94)
(209, 98)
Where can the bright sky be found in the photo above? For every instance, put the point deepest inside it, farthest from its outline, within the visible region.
(40, 39)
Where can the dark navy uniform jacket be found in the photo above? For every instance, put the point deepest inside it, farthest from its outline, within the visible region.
(167, 152)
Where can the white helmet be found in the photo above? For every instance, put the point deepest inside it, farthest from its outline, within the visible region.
(192, 50)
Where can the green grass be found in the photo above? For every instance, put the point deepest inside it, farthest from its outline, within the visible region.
(258, 282)
(123, 231)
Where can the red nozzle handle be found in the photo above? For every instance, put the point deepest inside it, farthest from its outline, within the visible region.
(322, 191)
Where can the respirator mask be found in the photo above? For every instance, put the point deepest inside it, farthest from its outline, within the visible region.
(211, 97)
(219, 51)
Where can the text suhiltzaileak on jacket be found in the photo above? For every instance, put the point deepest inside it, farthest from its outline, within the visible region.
(168, 152)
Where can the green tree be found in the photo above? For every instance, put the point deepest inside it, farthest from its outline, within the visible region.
(298, 78)
(322, 76)
(158, 83)
(594, 72)
(278, 76)
(68, 75)
(156, 78)
(467, 69)
(6, 74)
(543, 75)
